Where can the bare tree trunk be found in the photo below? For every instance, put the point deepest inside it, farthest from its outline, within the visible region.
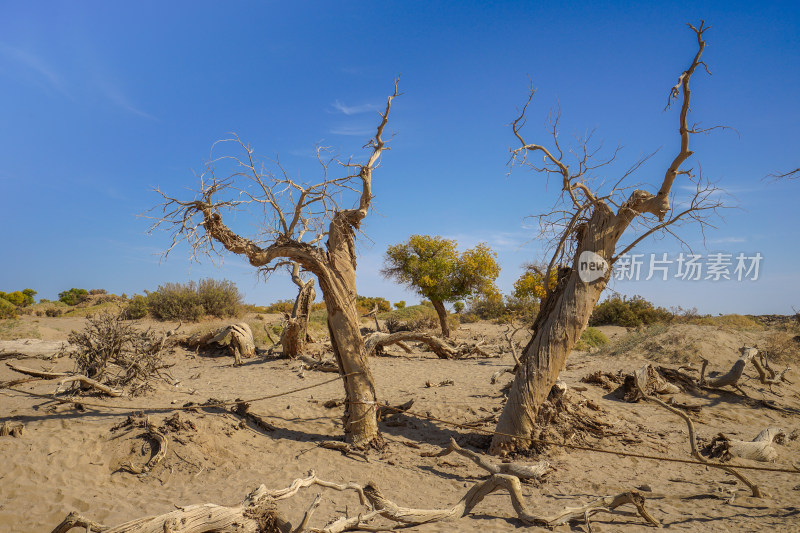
(563, 316)
(566, 309)
(338, 288)
(442, 312)
(295, 334)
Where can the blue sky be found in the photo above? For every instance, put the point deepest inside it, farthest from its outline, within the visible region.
(102, 101)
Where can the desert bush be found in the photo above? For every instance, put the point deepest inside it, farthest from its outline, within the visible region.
(627, 343)
(281, 306)
(488, 307)
(175, 301)
(53, 312)
(458, 307)
(737, 322)
(7, 309)
(94, 292)
(400, 305)
(367, 303)
(191, 301)
(591, 338)
(221, 299)
(468, 318)
(628, 312)
(414, 318)
(136, 308)
(73, 296)
(111, 351)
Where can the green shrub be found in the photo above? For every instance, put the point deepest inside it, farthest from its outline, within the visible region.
(591, 338)
(400, 305)
(458, 307)
(281, 306)
(192, 301)
(7, 309)
(137, 308)
(219, 298)
(628, 312)
(22, 298)
(97, 291)
(73, 296)
(468, 318)
(368, 303)
(53, 311)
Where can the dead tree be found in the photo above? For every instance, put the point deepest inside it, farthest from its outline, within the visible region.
(301, 222)
(295, 334)
(589, 224)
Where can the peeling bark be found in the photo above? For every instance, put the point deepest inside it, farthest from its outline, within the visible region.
(295, 334)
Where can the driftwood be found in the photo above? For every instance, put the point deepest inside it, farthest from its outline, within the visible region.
(640, 376)
(759, 449)
(241, 343)
(67, 377)
(258, 511)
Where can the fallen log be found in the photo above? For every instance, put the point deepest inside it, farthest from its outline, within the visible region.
(759, 449)
(241, 343)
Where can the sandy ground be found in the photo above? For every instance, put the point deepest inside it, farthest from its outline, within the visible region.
(69, 460)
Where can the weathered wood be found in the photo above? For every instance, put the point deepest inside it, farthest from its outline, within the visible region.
(66, 377)
(522, 471)
(759, 449)
(754, 489)
(258, 512)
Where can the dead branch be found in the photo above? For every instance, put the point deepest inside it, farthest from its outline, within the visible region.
(692, 436)
(441, 348)
(258, 512)
(732, 376)
(66, 377)
(537, 471)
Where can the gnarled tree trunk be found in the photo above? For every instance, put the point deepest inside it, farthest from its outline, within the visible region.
(442, 312)
(294, 335)
(563, 316)
(566, 309)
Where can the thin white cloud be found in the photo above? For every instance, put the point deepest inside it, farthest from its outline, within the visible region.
(353, 109)
(120, 99)
(727, 240)
(42, 71)
(352, 130)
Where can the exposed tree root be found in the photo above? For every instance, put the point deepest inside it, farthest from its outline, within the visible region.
(154, 434)
(258, 511)
(759, 449)
(641, 376)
